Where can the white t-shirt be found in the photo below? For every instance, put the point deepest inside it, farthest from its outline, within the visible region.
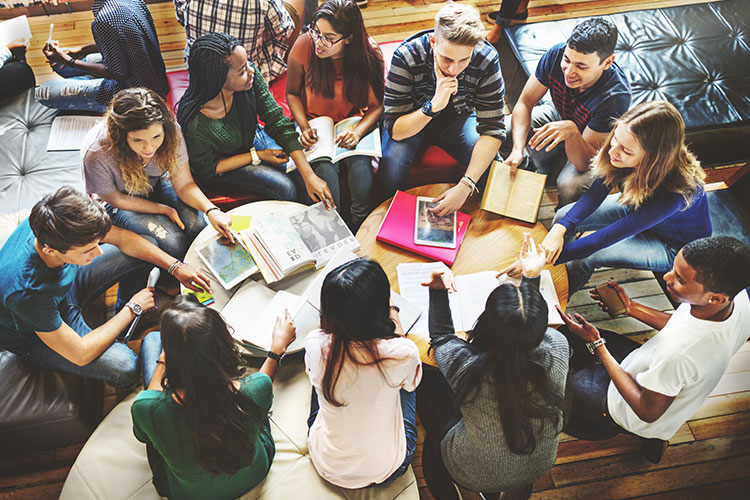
(686, 359)
(363, 441)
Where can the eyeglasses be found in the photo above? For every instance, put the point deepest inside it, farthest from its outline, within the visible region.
(317, 36)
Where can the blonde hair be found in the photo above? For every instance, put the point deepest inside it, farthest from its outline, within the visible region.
(137, 109)
(667, 165)
(459, 24)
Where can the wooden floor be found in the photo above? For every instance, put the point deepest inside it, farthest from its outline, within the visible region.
(708, 458)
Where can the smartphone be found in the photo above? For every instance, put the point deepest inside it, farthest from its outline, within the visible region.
(611, 299)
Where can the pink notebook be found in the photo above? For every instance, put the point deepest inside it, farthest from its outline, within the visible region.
(397, 229)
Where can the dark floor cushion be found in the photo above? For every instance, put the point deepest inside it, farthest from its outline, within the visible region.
(695, 56)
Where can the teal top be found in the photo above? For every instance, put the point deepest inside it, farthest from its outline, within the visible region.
(158, 420)
(210, 140)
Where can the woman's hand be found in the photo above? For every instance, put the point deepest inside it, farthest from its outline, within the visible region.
(441, 280)
(318, 190)
(553, 243)
(18, 43)
(284, 333)
(273, 157)
(531, 258)
(55, 54)
(626, 301)
(347, 139)
(308, 138)
(579, 326)
(192, 278)
(222, 222)
(514, 270)
(173, 216)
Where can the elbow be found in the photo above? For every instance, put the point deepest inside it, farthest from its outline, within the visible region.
(648, 415)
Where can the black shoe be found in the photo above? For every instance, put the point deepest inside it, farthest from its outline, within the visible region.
(653, 449)
(520, 16)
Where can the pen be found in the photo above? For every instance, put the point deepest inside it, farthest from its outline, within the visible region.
(51, 27)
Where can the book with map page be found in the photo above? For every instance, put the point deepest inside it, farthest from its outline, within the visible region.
(229, 262)
(326, 148)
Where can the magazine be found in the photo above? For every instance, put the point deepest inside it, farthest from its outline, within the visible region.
(326, 148)
(282, 245)
(229, 262)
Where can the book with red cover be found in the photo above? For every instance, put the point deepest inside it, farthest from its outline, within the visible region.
(397, 229)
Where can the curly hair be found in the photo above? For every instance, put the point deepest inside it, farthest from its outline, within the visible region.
(137, 109)
(668, 164)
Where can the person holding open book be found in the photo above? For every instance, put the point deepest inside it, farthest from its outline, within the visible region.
(661, 205)
(203, 419)
(364, 372)
(336, 70)
(219, 113)
(493, 409)
(138, 164)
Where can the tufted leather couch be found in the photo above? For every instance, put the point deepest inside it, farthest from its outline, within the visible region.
(695, 56)
(39, 409)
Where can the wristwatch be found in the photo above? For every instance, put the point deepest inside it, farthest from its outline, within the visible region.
(427, 109)
(591, 346)
(254, 155)
(276, 357)
(136, 308)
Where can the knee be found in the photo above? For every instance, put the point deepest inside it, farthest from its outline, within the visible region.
(568, 191)
(562, 212)
(124, 373)
(287, 190)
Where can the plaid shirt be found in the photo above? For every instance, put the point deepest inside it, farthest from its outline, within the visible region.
(261, 26)
(411, 81)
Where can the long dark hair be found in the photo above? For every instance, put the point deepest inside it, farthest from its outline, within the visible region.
(363, 63)
(503, 342)
(355, 310)
(203, 361)
(208, 67)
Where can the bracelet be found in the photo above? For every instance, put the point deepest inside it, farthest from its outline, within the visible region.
(276, 357)
(72, 62)
(396, 308)
(209, 210)
(175, 265)
(159, 362)
(466, 181)
(592, 346)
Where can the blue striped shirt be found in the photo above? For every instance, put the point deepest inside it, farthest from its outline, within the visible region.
(411, 82)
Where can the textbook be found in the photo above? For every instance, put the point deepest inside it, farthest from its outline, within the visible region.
(468, 301)
(282, 245)
(326, 148)
(398, 225)
(519, 198)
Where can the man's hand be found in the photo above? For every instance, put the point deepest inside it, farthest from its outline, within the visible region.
(626, 301)
(173, 215)
(284, 333)
(553, 243)
(347, 139)
(514, 159)
(308, 138)
(451, 200)
(222, 222)
(445, 87)
(318, 190)
(144, 298)
(54, 54)
(531, 258)
(273, 157)
(553, 133)
(192, 278)
(579, 326)
(441, 280)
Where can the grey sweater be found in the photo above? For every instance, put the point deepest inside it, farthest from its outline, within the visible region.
(474, 450)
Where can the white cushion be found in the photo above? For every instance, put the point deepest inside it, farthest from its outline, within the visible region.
(113, 464)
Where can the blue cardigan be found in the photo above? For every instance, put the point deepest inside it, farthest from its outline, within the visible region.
(665, 215)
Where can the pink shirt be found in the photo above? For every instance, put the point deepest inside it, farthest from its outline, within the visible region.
(362, 442)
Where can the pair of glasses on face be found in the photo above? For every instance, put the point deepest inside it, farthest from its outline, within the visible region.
(317, 36)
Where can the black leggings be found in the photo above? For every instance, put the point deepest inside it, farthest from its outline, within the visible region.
(15, 77)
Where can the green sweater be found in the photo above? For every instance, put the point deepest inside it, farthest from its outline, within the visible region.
(158, 420)
(208, 140)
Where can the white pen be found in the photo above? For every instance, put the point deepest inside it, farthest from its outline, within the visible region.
(51, 27)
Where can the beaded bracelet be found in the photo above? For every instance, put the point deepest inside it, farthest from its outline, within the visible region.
(176, 264)
(466, 181)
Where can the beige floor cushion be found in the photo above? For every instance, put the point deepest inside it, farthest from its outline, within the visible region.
(113, 465)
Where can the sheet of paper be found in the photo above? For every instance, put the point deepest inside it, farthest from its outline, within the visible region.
(410, 279)
(473, 290)
(69, 132)
(18, 27)
(408, 314)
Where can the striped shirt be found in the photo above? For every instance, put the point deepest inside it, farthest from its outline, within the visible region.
(595, 107)
(411, 81)
(261, 26)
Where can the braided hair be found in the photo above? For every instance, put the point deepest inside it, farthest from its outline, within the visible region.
(208, 67)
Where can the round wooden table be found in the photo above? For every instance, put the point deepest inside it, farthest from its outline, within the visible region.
(492, 242)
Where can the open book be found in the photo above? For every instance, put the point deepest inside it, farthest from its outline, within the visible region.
(326, 148)
(519, 198)
(70, 132)
(282, 245)
(468, 302)
(229, 262)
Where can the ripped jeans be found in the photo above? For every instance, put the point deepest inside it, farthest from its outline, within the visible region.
(76, 90)
(168, 235)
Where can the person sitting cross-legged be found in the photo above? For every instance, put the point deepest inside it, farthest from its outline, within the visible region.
(53, 265)
(617, 385)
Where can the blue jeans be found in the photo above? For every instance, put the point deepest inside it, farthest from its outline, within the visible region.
(409, 410)
(76, 90)
(150, 352)
(644, 250)
(168, 235)
(266, 181)
(359, 177)
(456, 134)
(587, 386)
(117, 365)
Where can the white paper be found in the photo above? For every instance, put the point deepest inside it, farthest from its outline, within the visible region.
(410, 279)
(408, 313)
(18, 27)
(473, 290)
(69, 132)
